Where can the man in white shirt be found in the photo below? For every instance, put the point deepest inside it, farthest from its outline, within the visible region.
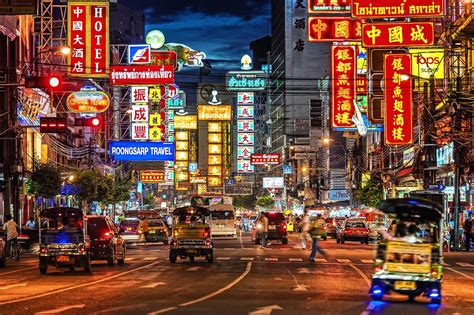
(11, 228)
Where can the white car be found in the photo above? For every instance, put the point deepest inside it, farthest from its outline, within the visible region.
(3, 254)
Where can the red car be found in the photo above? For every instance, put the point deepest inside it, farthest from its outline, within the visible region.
(276, 227)
(353, 230)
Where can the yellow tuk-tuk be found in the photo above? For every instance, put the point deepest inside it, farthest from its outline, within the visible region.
(409, 258)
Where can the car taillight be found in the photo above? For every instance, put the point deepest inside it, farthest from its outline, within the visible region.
(434, 271)
(174, 243)
(43, 250)
(208, 242)
(378, 268)
(347, 231)
(107, 234)
(81, 248)
(283, 226)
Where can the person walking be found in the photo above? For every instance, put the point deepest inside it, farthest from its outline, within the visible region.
(264, 233)
(316, 231)
(143, 226)
(11, 228)
(305, 226)
(468, 232)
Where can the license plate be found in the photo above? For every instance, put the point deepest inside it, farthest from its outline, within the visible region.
(405, 285)
(152, 231)
(220, 226)
(192, 251)
(128, 229)
(271, 227)
(62, 259)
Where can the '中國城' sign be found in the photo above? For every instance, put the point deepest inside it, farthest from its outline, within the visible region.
(395, 34)
(398, 107)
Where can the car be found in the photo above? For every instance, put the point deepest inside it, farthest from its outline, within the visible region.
(106, 242)
(276, 227)
(331, 227)
(353, 230)
(157, 231)
(3, 249)
(128, 230)
(375, 230)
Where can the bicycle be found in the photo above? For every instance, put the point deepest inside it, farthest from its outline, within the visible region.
(14, 249)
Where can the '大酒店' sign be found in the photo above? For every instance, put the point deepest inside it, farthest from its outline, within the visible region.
(375, 9)
(398, 107)
(262, 159)
(141, 75)
(330, 29)
(152, 177)
(343, 87)
(88, 38)
(397, 34)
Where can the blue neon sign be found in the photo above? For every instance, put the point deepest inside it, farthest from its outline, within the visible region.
(141, 151)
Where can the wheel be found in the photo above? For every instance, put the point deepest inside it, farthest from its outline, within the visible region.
(87, 264)
(191, 258)
(367, 242)
(376, 297)
(342, 241)
(3, 261)
(111, 258)
(362, 242)
(121, 260)
(436, 300)
(172, 257)
(43, 266)
(338, 241)
(284, 241)
(165, 242)
(325, 238)
(210, 257)
(411, 297)
(257, 241)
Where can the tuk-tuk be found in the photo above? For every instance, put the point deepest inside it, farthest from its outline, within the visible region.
(409, 258)
(191, 235)
(63, 239)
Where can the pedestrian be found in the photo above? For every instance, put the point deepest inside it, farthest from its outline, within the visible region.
(305, 225)
(143, 227)
(30, 224)
(468, 232)
(264, 233)
(11, 228)
(316, 231)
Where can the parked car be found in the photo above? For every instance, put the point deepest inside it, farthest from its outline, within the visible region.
(128, 230)
(276, 227)
(157, 231)
(106, 242)
(353, 230)
(3, 248)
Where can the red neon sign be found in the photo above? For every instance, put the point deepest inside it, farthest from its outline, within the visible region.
(330, 29)
(262, 159)
(398, 34)
(375, 9)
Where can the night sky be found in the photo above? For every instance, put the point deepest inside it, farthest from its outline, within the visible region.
(222, 29)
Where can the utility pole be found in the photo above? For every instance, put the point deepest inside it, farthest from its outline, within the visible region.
(457, 166)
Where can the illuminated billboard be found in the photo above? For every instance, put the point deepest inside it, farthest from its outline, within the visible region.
(210, 112)
(328, 6)
(397, 34)
(330, 29)
(427, 62)
(376, 9)
(273, 182)
(187, 122)
(141, 75)
(152, 177)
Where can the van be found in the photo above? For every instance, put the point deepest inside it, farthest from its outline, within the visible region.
(223, 221)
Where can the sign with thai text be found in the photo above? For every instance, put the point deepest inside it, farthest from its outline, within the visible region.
(398, 34)
(185, 122)
(141, 75)
(210, 112)
(88, 38)
(330, 29)
(262, 159)
(141, 151)
(164, 58)
(246, 80)
(152, 177)
(376, 9)
(343, 87)
(398, 98)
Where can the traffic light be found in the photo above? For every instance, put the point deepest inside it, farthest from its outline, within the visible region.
(52, 82)
(93, 122)
(53, 125)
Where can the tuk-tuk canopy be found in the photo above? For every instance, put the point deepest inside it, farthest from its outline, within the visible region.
(66, 212)
(196, 211)
(412, 208)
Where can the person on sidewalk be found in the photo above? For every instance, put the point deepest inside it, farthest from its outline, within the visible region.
(316, 230)
(305, 226)
(468, 232)
(264, 233)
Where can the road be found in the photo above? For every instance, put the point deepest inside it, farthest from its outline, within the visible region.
(244, 279)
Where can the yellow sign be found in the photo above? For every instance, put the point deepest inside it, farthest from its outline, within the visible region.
(209, 112)
(214, 160)
(182, 176)
(405, 257)
(181, 165)
(155, 133)
(214, 127)
(181, 146)
(182, 135)
(155, 119)
(185, 122)
(214, 138)
(182, 156)
(202, 188)
(215, 149)
(427, 62)
(198, 180)
(154, 94)
(215, 170)
(214, 181)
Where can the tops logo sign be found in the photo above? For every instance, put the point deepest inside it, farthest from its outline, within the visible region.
(139, 54)
(427, 62)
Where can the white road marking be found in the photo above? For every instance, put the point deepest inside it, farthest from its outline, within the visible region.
(77, 286)
(464, 264)
(165, 310)
(461, 273)
(301, 287)
(271, 259)
(446, 265)
(129, 258)
(152, 285)
(223, 258)
(227, 248)
(361, 274)
(367, 261)
(266, 310)
(194, 268)
(60, 310)
(278, 278)
(320, 260)
(344, 261)
(150, 258)
(18, 270)
(11, 286)
(246, 258)
(296, 259)
(303, 270)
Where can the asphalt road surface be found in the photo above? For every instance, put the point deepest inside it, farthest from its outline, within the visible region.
(244, 279)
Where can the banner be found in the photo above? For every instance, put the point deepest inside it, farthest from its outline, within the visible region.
(330, 29)
(398, 100)
(376, 9)
(88, 38)
(398, 34)
(405, 257)
(141, 75)
(343, 87)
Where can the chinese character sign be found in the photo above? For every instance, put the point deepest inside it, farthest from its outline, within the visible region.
(398, 106)
(245, 98)
(330, 29)
(244, 166)
(343, 87)
(88, 38)
(245, 112)
(140, 113)
(140, 131)
(245, 152)
(398, 34)
(397, 8)
(245, 126)
(139, 94)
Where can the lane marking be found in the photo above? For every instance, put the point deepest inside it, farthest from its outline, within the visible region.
(129, 258)
(246, 258)
(194, 268)
(296, 259)
(271, 259)
(461, 273)
(362, 274)
(445, 265)
(60, 310)
(367, 261)
(320, 260)
(152, 285)
(223, 258)
(464, 264)
(28, 298)
(6, 287)
(344, 261)
(241, 242)
(164, 310)
(15, 271)
(150, 258)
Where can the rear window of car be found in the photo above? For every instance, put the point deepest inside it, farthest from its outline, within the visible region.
(155, 223)
(129, 222)
(97, 227)
(357, 225)
(275, 217)
(222, 215)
